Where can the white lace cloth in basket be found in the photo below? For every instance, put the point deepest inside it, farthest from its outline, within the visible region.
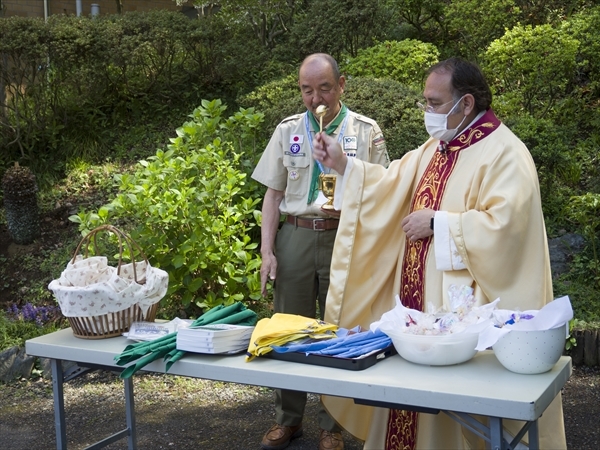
(90, 287)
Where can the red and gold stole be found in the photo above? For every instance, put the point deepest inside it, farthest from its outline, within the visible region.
(402, 425)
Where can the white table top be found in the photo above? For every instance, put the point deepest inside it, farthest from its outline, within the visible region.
(480, 386)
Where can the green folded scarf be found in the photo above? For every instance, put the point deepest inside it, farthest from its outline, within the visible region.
(166, 346)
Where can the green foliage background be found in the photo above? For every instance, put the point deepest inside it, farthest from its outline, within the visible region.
(191, 207)
(87, 93)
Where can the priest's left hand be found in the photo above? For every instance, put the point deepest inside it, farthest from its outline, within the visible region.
(417, 224)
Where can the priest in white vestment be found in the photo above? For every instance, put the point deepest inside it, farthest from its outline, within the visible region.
(462, 209)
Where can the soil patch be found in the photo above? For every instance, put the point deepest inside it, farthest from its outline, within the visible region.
(18, 263)
(181, 413)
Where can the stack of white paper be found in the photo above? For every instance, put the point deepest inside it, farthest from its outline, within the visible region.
(219, 338)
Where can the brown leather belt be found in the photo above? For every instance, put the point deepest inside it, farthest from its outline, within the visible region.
(313, 224)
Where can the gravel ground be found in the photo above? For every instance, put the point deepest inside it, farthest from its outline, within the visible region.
(183, 413)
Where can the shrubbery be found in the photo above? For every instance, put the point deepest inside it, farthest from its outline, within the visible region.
(75, 85)
(19, 324)
(558, 169)
(530, 68)
(109, 88)
(193, 212)
(405, 61)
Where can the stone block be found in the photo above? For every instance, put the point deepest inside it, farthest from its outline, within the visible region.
(15, 363)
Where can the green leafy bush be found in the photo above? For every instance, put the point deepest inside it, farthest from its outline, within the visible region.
(583, 294)
(530, 68)
(559, 172)
(405, 61)
(277, 100)
(585, 210)
(475, 24)
(393, 106)
(74, 84)
(190, 209)
(338, 28)
(20, 324)
(584, 27)
(390, 103)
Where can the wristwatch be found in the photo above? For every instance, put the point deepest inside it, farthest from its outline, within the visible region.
(431, 223)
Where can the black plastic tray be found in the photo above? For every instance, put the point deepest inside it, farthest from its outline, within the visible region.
(332, 361)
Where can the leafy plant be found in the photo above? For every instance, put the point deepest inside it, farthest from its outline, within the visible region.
(584, 27)
(582, 293)
(530, 68)
(571, 341)
(339, 28)
(585, 210)
(558, 170)
(191, 211)
(474, 24)
(404, 61)
(19, 324)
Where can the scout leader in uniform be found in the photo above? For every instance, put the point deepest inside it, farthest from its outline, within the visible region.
(297, 256)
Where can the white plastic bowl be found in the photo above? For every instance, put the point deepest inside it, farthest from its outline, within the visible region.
(442, 350)
(530, 352)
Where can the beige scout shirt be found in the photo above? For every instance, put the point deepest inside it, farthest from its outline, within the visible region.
(287, 163)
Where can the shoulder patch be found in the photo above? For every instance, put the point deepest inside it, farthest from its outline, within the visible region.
(365, 119)
(291, 118)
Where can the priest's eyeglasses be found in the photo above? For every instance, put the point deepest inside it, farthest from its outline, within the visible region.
(431, 109)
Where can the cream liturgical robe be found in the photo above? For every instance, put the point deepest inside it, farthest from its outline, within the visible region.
(494, 213)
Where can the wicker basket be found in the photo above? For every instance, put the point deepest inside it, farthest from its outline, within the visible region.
(114, 323)
(110, 325)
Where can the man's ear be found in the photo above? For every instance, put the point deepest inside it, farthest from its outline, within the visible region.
(468, 104)
(342, 83)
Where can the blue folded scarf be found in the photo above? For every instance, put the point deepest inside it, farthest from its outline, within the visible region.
(349, 346)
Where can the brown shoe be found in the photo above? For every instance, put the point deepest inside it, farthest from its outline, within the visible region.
(280, 436)
(331, 441)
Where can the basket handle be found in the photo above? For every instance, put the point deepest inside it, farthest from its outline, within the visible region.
(121, 236)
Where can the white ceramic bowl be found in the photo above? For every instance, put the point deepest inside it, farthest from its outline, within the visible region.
(531, 352)
(440, 350)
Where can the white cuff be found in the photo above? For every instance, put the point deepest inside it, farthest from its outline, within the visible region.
(446, 254)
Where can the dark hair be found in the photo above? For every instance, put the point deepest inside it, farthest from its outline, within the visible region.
(329, 59)
(467, 78)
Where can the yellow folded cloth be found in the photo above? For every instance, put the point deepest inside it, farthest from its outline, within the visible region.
(282, 328)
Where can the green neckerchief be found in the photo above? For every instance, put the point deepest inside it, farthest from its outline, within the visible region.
(314, 184)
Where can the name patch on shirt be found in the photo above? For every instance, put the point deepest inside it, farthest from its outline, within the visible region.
(350, 143)
(289, 153)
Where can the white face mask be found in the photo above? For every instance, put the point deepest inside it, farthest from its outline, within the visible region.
(437, 125)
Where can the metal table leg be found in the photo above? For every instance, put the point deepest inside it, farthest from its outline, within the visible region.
(130, 413)
(496, 441)
(58, 379)
(534, 436)
(59, 404)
